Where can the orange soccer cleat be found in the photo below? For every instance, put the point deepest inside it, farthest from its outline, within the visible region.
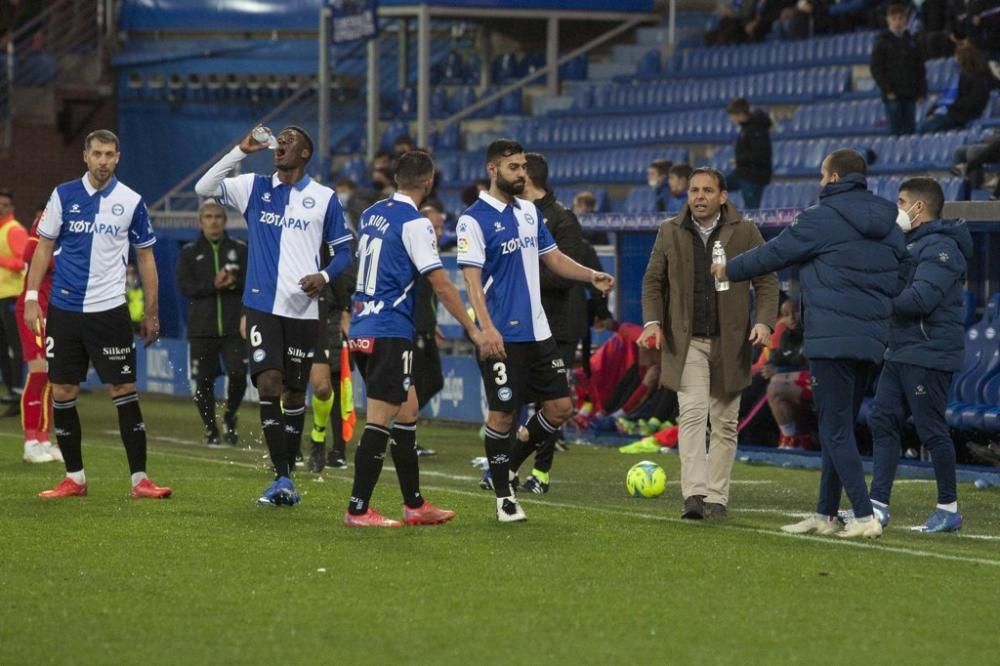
(146, 489)
(426, 514)
(370, 518)
(66, 488)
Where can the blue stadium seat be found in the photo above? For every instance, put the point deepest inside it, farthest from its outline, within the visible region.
(512, 103)
(649, 64)
(980, 344)
(505, 68)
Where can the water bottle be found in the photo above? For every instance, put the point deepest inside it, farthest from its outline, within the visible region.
(719, 257)
(263, 135)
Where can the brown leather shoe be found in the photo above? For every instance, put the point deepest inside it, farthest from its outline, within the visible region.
(714, 511)
(694, 508)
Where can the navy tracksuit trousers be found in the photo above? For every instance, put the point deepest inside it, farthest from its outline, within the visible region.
(905, 389)
(838, 388)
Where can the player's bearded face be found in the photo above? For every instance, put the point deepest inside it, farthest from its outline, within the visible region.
(513, 183)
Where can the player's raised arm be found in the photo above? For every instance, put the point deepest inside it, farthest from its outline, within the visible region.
(213, 183)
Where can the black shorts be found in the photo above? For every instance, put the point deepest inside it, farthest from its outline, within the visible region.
(74, 340)
(532, 372)
(283, 344)
(205, 352)
(386, 365)
(330, 339)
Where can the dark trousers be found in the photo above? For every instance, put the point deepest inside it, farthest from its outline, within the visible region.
(940, 123)
(205, 354)
(903, 390)
(901, 115)
(838, 388)
(752, 192)
(547, 449)
(427, 377)
(10, 346)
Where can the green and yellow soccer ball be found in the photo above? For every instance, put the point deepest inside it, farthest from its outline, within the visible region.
(646, 479)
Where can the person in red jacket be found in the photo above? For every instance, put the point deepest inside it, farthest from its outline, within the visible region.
(36, 400)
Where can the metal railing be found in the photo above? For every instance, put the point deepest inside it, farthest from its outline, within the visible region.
(34, 55)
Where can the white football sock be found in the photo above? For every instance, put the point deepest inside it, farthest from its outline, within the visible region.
(78, 477)
(137, 477)
(950, 508)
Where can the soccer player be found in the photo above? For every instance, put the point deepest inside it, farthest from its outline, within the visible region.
(501, 238)
(289, 217)
(92, 221)
(396, 245)
(36, 400)
(211, 272)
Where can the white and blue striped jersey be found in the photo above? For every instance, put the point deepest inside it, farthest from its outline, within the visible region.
(506, 240)
(92, 230)
(396, 245)
(286, 227)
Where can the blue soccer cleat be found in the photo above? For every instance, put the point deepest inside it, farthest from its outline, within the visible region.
(280, 493)
(881, 512)
(940, 521)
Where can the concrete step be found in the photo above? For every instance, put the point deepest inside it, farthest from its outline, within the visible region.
(605, 71)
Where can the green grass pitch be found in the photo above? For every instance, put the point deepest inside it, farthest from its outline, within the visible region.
(594, 576)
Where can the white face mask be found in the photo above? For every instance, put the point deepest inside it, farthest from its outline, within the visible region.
(903, 219)
(653, 183)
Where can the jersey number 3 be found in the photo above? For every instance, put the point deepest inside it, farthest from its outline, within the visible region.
(369, 250)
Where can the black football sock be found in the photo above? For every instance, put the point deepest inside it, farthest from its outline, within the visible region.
(498, 456)
(272, 424)
(204, 398)
(368, 461)
(538, 428)
(336, 426)
(133, 431)
(295, 419)
(66, 420)
(519, 452)
(404, 457)
(234, 398)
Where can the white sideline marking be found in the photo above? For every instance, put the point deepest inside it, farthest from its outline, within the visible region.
(899, 550)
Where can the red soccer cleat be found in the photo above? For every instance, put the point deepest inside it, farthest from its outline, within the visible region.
(787, 442)
(146, 489)
(426, 514)
(370, 518)
(66, 488)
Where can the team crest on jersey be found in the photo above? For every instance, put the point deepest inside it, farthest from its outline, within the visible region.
(308, 202)
(266, 197)
(118, 209)
(529, 219)
(231, 255)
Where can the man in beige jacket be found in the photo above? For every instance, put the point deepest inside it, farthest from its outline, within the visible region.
(705, 335)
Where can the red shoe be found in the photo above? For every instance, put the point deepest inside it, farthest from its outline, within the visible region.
(426, 514)
(806, 442)
(787, 442)
(66, 488)
(148, 490)
(370, 518)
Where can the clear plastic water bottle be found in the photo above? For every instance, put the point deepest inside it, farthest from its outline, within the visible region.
(263, 135)
(719, 257)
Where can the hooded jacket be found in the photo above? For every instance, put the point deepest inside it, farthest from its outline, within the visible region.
(927, 328)
(851, 258)
(753, 149)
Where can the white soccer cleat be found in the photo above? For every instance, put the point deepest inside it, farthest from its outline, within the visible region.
(812, 525)
(509, 510)
(36, 453)
(53, 451)
(869, 529)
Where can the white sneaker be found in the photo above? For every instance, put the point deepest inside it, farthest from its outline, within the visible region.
(509, 510)
(53, 451)
(35, 453)
(812, 525)
(869, 529)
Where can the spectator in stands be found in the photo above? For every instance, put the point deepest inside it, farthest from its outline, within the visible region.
(969, 161)
(926, 345)
(564, 301)
(584, 203)
(402, 145)
(766, 13)
(353, 206)
(13, 240)
(753, 151)
(965, 96)
(804, 19)
(677, 181)
(657, 174)
(850, 254)
(382, 160)
(983, 26)
(897, 65)
(703, 334)
(730, 28)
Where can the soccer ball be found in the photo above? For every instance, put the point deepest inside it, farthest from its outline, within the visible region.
(646, 479)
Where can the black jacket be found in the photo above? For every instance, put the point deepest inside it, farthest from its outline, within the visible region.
(212, 312)
(564, 301)
(973, 96)
(753, 149)
(898, 66)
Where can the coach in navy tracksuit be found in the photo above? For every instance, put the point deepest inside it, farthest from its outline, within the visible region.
(849, 251)
(926, 345)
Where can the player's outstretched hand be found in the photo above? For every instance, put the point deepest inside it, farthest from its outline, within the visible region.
(149, 329)
(602, 281)
(250, 145)
(313, 284)
(490, 344)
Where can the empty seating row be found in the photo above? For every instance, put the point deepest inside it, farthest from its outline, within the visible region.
(975, 396)
(798, 86)
(445, 102)
(681, 127)
(849, 49)
(213, 87)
